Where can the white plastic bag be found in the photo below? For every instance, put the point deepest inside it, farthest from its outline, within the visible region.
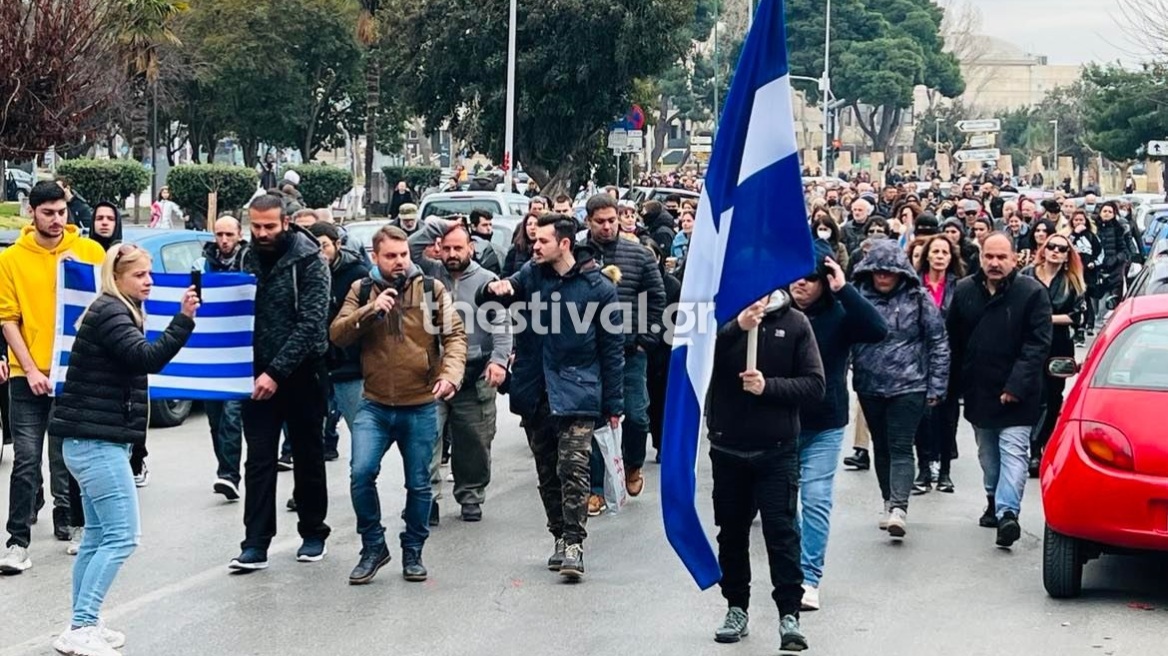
(616, 495)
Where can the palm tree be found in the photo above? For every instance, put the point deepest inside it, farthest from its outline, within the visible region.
(369, 35)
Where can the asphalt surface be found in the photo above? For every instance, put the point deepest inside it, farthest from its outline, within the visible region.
(945, 590)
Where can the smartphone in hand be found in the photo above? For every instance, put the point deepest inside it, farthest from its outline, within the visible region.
(197, 283)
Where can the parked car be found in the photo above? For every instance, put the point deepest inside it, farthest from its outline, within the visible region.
(641, 194)
(463, 202)
(361, 232)
(21, 179)
(1105, 470)
(1153, 220)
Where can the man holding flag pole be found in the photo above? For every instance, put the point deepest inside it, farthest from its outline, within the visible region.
(751, 238)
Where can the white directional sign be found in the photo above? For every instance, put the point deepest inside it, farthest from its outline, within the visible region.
(700, 144)
(981, 141)
(980, 125)
(634, 141)
(1158, 148)
(978, 155)
(617, 139)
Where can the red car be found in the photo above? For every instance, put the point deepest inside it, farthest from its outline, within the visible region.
(1105, 470)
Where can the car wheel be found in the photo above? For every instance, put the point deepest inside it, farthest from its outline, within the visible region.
(168, 413)
(1062, 565)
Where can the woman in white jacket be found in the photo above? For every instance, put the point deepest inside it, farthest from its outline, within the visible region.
(165, 213)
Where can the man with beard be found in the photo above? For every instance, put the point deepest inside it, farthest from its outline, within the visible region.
(485, 253)
(290, 339)
(28, 315)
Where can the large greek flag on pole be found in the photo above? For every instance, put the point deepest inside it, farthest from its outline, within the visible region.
(215, 364)
(751, 237)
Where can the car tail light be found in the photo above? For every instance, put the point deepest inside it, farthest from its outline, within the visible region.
(1106, 445)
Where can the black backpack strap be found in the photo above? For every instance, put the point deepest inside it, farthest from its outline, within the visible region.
(364, 291)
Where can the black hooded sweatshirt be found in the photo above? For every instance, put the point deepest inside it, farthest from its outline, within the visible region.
(116, 237)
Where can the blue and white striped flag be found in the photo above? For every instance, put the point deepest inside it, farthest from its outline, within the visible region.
(215, 364)
(751, 237)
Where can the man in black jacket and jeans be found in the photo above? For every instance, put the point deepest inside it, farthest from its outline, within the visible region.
(291, 385)
(1000, 330)
(753, 419)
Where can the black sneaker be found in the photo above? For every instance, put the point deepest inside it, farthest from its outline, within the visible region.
(557, 558)
(312, 551)
(435, 517)
(1035, 466)
(372, 560)
(250, 560)
(63, 533)
(923, 483)
(412, 567)
(734, 628)
(989, 518)
(791, 637)
(573, 566)
(945, 484)
(291, 505)
(331, 455)
(1008, 530)
(228, 489)
(858, 461)
(284, 463)
(472, 512)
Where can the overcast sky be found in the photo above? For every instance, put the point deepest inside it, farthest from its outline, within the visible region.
(1067, 31)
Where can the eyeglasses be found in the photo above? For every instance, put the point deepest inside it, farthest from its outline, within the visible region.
(1058, 248)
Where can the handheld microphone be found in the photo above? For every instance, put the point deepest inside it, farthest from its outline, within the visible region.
(398, 283)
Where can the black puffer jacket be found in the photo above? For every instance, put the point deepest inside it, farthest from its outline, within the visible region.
(639, 276)
(292, 303)
(105, 395)
(344, 364)
(662, 228)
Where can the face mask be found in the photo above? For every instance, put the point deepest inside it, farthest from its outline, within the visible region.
(831, 202)
(823, 233)
(1123, 213)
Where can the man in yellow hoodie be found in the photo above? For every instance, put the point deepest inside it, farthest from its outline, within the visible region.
(28, 316)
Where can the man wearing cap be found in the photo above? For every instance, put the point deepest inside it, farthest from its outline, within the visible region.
(407, 218)
(840, 318)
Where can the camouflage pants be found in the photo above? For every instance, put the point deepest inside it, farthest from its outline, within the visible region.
(562, 447)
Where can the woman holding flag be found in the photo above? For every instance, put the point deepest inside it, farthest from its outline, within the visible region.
(101, 412)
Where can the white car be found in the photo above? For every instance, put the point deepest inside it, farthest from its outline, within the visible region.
(463, 202)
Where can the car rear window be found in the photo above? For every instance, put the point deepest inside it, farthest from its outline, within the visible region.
(1137, 359)
(448, 207)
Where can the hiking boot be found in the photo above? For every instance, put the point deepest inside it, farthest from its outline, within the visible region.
(250, 560)
(229, 490)
(472, 512)
(573, 566)
(372, 560)
(989, 518)
(734, 627)
(945, 484)
(557, 558)
(635, 482)
(923, 483)
(15, 560)
(312, 550)
(412, 567)
(1009, 531)
(897, 521)
(858, 461)
(791, 637)
(596, 505)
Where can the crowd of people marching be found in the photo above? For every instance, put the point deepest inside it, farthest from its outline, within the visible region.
(931, 298)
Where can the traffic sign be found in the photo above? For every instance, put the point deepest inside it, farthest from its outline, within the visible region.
(980, 125)
(635, 118)
(700, 140)
(977, 155)
(981, 141)
(1157, 149)
(617, 139)
(634, 141)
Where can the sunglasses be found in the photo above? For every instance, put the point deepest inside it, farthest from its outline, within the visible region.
(1058, 248)
(812, 279)
(876, 231)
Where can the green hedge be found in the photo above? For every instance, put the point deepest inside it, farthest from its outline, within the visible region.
(111, 180)
(321, 184)
(190, 183)
(419, 178)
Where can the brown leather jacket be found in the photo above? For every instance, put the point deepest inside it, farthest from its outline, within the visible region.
(400, 359)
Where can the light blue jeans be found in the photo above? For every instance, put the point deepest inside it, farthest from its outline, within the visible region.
(818, 459)
(112, 525)
(1004, 454)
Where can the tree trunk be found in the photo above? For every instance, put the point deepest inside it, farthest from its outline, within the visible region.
(560, 183)
(250, 151)
(660, 132)
(372, 106)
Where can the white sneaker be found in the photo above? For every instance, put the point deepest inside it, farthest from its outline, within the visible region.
(810, 598)
(884, 517)
(450, 477)
(86, 641)
(897, 519)
(142, 479)
(115, 639)
(75, 535)
(15, 560)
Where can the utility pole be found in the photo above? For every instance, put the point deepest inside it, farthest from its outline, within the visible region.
(509, 136)
(825, 89)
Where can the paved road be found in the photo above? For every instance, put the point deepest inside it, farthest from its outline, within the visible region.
(946, 590)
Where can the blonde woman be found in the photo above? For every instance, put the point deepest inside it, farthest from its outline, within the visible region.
(100, 414)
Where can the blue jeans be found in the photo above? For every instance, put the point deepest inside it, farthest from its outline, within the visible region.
(415, 429)
(818, 458)
(226, 421)
(112, 525)
(344, 398)
(635, 427)
(1004, 454)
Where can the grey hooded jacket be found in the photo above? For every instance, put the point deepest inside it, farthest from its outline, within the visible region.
(914, 357)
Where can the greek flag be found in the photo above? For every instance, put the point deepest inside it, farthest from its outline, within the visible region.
(215, 364)
(751, 237)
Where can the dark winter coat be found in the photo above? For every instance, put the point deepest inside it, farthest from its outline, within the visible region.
(853, 234)
(292, 304)
(1063, 300)
(515, 259)
(788, 359)
(1117, 249)
(1001, 343)
(662, 229)
(639, 278)
(398, 199)
(581, 374)
(105, 396)
(839, 321)
(213, 260)
(344, 364)
(80, 213)
(914, 356)
(1090, 250)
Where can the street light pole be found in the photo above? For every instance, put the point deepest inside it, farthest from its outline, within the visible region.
(717, 17)
(1054, 122)
(825, 89)
(509, 135)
